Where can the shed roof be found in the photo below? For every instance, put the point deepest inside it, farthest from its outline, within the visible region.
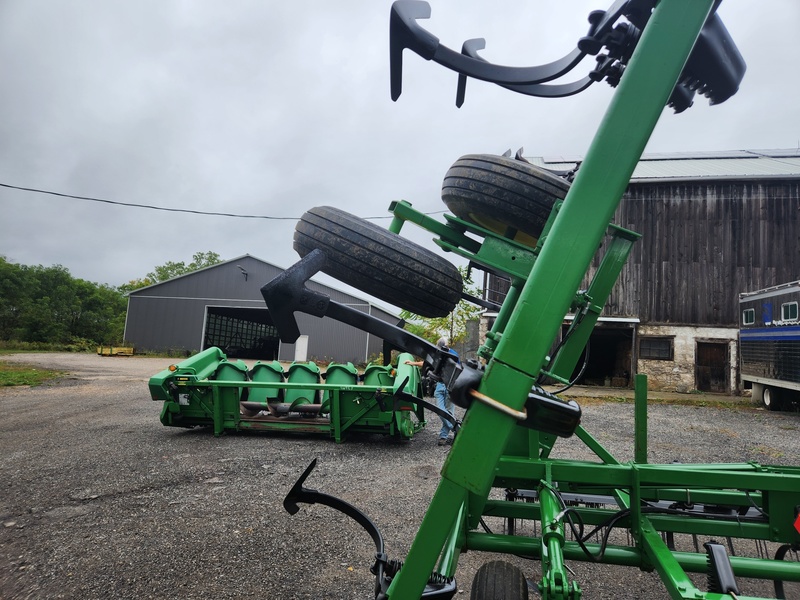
(342, 295)
(728, 164)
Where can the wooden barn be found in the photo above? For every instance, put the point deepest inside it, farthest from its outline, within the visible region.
(714, 224)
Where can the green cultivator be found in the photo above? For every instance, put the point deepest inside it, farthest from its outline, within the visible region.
(542, 230)
(209, 390)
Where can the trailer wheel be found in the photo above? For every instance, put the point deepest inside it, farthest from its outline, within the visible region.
(499, 580)
(787, 589)
(770, 399)
(509, 197)
(379, 262)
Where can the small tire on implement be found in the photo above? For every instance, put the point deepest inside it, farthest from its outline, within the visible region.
(506, 196)
(499, 580)
(379, 262)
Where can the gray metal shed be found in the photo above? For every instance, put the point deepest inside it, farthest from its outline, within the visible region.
(222, 306)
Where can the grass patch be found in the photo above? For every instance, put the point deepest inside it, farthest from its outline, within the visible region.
(708, 402)
(11, 375)
(596, 400)
(75, 345)
(769, 451)
(721, 402)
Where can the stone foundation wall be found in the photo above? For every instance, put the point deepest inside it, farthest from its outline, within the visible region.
(678, 374)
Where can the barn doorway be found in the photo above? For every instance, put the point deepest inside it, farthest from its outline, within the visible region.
(241, 332)
(712, 367)
(610, 354)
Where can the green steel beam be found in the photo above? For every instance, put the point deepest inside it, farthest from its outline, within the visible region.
(577, 231)
(577, 336)
(403, 211)
(738, 476)
(640, 419)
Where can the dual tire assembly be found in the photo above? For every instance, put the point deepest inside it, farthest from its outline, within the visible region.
(509, 197)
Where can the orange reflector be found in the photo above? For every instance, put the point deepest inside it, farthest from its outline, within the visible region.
(173, 368)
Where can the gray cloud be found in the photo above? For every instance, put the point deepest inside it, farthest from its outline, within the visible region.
(273, 108)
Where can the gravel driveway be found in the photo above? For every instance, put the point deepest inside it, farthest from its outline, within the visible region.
(99, 500)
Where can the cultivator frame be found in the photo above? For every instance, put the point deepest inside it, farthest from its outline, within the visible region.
(511, 425)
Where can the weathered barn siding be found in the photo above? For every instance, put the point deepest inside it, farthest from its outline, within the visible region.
(702, 244)
(704, 240)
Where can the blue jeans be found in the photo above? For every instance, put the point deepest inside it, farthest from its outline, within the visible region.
(443, 401)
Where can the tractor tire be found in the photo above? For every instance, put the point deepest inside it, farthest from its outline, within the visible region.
(509, 197)
(499, 580)
(379, 263)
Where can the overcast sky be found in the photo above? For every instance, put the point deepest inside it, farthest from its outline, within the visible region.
(271, 108)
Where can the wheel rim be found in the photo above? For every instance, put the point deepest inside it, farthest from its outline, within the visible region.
(767, 397)
(501, 228)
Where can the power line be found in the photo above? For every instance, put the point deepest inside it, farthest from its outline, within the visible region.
(167, 209)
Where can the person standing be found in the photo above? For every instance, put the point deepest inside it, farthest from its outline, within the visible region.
(442, 396)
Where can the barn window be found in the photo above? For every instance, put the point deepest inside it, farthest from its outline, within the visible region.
(655, 348)
(748, 316)
(789, 311)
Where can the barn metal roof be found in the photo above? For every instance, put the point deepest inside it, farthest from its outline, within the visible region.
(730, 164)
(327, 289)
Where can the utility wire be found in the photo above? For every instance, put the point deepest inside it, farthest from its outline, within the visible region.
(177, 210)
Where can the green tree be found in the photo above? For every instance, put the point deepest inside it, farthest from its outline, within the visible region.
(452, 326)
(15, 284)
(135, 284)
(171, 269)
(47, 304)
(101, 314)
